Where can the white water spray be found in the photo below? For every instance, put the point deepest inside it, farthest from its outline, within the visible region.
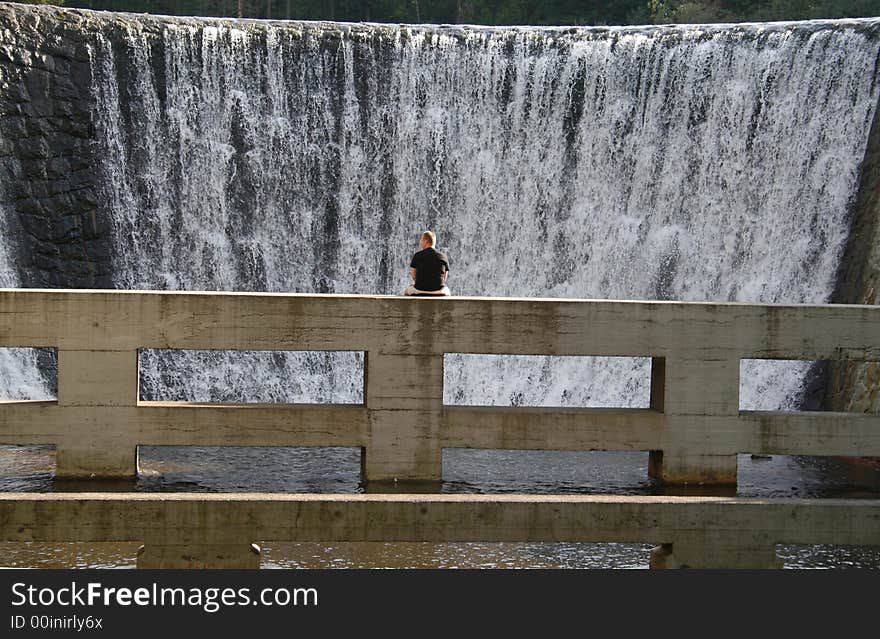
(688, 163)
(20, 377)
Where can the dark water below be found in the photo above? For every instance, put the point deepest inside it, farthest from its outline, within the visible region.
(337, 470)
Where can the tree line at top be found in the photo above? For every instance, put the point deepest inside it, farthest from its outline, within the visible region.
(500, 12)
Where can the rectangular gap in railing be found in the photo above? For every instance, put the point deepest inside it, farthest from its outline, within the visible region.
(478, 470)
(546, 381)
(801, 385)
(251, 377)
(258, 469)
(26, 468)
(450, 555)
(28, 374)
(68, 555)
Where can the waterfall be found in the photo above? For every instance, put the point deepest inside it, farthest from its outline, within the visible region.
(20, 376)
(687, 163)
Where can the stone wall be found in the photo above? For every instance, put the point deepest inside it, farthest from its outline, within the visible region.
(46, 148)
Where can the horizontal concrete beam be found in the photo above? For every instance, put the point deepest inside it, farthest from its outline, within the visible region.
(120, 320)
(490, 427)
(184, 518)
(189, 424)
(810, 433)
(551, 428)
(183, 423)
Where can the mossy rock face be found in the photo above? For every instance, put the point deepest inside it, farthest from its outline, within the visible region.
(854, 387)
(864, 389)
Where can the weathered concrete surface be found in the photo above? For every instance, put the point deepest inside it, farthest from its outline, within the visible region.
(688, 387)
(803, 433)
(694, 428)
(404, 396)
(101, 441)
(522, 428)
(123, 320)
(704, 531)
(97, 378)
(688, 467)
(191, 424)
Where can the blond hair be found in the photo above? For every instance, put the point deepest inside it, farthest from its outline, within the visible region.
(430, 237)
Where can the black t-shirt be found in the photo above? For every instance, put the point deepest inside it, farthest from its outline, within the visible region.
(430, 264)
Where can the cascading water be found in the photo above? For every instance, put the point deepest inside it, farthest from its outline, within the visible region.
(687, 163)
(694, 163)
(20, 376)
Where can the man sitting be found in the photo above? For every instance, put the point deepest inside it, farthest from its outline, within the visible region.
(429, 268)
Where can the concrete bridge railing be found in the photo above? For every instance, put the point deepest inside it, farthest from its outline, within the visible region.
(693, 427)
(182, 530)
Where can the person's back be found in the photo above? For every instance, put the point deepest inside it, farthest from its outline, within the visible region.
(430, 265)
(429, 268)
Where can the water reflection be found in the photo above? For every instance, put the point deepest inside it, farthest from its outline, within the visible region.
(455, 555)
(337, 470)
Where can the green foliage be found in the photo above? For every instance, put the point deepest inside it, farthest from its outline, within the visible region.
(685, 11)
(662, 11)
(536, 12)
(808, 9)
(702, 12)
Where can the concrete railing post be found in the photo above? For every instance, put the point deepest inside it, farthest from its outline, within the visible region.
(99, 442)
(700, 400)
(404, 398)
